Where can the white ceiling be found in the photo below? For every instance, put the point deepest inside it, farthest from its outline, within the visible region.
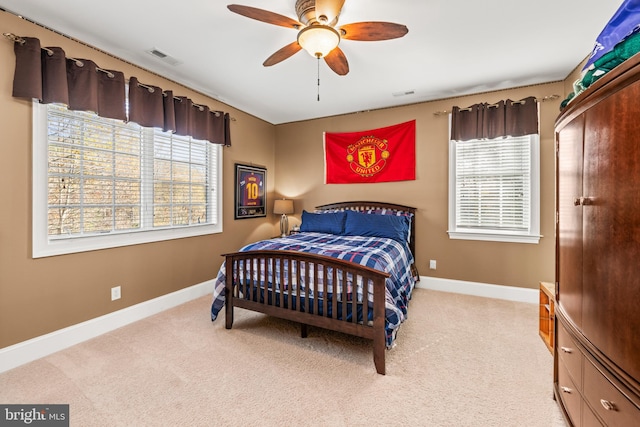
(453, 48)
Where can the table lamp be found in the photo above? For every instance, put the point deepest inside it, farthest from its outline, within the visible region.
(283, 207)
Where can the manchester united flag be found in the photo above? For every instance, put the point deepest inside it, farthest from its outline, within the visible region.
(378, 155)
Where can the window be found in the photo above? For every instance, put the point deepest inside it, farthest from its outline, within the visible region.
(494, 189)
(101, 183)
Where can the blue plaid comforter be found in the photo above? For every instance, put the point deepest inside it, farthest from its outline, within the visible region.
(381, 254)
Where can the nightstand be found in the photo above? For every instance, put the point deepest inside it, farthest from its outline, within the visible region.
(547, 313)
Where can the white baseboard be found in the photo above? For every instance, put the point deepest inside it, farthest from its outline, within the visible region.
(36, 348)
(509, 293)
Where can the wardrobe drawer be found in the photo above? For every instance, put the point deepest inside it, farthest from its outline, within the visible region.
(571, 399)
(569, 354)
(588, 419)
(606, 400)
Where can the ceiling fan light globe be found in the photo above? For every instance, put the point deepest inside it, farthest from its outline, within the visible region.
(318, 40)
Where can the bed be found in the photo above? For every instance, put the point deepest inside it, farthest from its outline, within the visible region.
(350, 269)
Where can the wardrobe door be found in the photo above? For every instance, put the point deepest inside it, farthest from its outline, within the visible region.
(569, 191)
(611, 223)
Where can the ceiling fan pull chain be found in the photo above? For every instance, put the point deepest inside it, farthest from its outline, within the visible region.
(318, 79)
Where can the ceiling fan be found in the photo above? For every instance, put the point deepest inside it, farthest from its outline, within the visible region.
(318, 33)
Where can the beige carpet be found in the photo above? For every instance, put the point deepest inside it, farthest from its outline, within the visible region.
(459, 361)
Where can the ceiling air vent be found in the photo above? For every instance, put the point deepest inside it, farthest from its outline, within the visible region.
(404, 93)
(163, 56)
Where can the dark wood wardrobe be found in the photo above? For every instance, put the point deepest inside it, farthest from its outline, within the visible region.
(597, 344)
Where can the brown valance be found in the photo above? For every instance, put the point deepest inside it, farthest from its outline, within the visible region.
(146, 104)
(182, 107)
(27, 80)
(152, 107)
(488, 121)
(46, 74)
(54, 77)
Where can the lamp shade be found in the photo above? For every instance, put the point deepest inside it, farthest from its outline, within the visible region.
(283, 206)
(318, 40)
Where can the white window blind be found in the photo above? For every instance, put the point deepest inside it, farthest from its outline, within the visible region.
(180, 181)
(494, 189)
(102, 183)
(94, 174)
(492, 184)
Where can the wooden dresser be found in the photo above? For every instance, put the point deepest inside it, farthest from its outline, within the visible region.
(597, 339)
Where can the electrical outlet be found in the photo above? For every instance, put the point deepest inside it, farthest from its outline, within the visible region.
(432, 264)
(115, 293)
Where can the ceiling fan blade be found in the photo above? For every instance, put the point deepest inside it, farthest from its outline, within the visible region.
(329, 8)
(264, 16)
(337, 61)
(282, 54)
(372, 31)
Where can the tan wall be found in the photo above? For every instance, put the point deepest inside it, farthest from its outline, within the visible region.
(38, 296)
(300, 175)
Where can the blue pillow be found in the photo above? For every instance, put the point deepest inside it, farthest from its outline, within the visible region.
(331, 223)
(371, 225)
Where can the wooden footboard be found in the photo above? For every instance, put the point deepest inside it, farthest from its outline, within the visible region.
(301, 287)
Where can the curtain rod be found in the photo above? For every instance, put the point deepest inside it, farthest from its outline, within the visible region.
(17, 39)
(546, 98)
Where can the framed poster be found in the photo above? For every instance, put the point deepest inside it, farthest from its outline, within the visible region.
(251, 185)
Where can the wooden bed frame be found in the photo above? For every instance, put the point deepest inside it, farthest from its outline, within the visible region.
(288, 304)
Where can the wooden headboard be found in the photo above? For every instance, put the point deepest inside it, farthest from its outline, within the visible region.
(363, 206)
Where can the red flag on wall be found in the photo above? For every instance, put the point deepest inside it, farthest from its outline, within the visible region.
(378, 155)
